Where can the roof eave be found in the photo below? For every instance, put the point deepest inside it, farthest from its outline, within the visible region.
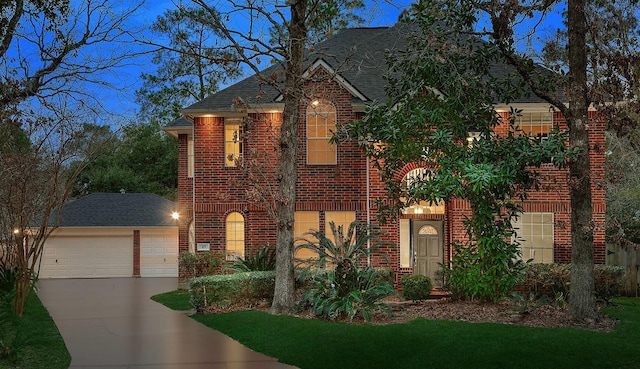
(276, 107)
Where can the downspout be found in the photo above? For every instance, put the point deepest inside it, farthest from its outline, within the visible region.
(367, 191)
(193, 190)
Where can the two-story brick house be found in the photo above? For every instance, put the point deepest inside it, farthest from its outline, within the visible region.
(226, 208)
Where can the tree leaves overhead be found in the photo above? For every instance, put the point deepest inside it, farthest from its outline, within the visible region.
(191, 64)
(441, 115)
(443, 86)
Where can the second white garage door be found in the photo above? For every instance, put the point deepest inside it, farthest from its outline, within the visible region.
(159, 253)
(87, 257)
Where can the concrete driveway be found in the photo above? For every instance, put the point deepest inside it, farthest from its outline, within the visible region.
(112, 323)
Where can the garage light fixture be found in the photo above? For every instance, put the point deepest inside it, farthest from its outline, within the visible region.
(175, 215)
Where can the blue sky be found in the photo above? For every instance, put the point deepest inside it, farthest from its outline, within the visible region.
(122, 102)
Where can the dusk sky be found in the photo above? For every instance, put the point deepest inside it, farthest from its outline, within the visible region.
(122, 102)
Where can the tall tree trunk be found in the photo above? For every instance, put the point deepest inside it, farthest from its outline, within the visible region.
(582, 295)
(283, 299)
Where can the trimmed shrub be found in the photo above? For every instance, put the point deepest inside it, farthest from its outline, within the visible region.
(609, 281)
(233, 289)
(199, 264)
(553, 280)
(416, 287)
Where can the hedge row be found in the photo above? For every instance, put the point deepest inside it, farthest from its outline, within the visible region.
(228, 289)
(248, 288)
(552, 280)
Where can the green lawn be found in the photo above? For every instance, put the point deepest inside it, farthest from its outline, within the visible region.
(41, 345)
(175, 300)
(422, 343)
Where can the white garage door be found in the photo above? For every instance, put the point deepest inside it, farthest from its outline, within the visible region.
(87, 257)
(159, 254)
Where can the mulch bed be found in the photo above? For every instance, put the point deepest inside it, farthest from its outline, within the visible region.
(475, 312)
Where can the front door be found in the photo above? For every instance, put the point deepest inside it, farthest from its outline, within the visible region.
(428, 249)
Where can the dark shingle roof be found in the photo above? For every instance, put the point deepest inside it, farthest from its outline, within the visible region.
(357, 55)
(118, 210)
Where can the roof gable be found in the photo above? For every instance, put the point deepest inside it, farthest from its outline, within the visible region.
(354, 57)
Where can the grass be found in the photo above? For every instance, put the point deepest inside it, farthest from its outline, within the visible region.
(41, 345)
(175, 300)
(422, 343)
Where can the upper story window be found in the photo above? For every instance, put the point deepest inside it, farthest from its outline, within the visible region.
(190, 157)
(535, 124)
(321, 122)
(232, 142)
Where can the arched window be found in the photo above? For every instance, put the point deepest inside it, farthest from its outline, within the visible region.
(413, 178)
(321, 122)
(235, 236)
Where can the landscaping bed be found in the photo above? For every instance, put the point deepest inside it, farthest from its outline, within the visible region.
(507, 312)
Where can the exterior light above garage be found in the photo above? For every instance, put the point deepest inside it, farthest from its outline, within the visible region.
(175, 215)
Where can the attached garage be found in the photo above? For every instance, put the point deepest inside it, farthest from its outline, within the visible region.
(113, 235)
(159, 254)
(87, 256)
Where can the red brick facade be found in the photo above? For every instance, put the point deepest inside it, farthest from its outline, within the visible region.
(215, 190)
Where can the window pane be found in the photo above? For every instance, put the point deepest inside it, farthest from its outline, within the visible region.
(232, 142)
(235, 236)
(535, 123)
(535, 234)
(321, 120)
(339, 218)
(305, 221)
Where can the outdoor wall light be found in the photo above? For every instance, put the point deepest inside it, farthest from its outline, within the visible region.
(175, 215)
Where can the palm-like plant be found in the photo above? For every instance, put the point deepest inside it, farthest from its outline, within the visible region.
(348, 287)
(263, 259)
(343, 250)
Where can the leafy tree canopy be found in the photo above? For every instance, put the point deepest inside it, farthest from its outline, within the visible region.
(141, 158)
(443, 87)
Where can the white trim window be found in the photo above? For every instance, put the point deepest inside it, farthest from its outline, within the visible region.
(232, 142)
(535, 233)
(536, 124)
(235, 236)
(190, 157)
(321, 122)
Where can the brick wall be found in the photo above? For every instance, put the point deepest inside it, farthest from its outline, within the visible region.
(220, 190)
